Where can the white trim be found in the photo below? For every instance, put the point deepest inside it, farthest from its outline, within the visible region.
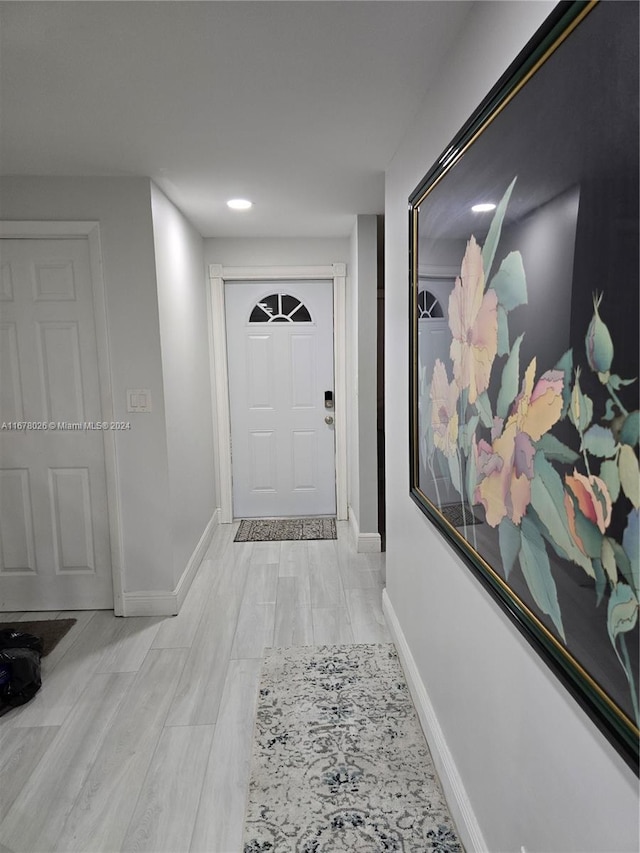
(154, 603)
(218, 274)
(365, 543)
(150, 603)
(339, 274)
(452, 784)
(222, 414)
(91, 230)
(272, 273)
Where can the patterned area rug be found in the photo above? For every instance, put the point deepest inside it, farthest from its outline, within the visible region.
(281, 529)
(340, 763)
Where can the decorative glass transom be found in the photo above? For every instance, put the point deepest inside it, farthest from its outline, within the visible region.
(428, 306)
(280, 308)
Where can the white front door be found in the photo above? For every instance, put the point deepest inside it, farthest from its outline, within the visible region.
(280, 362)
(54, 522)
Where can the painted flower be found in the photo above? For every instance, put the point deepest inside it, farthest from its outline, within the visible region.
(506, 465)
(444, 414)
(473, 320)
(593, 499)
(598, 343)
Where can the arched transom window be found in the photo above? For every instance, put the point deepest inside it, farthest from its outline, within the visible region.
(428, 306)
(280, 308)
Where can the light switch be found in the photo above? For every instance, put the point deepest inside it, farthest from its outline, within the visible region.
(138, 400)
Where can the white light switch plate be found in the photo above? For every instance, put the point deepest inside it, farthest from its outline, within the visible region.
(138, 400)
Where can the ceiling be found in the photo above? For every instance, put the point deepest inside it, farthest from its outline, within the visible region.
(296, 105)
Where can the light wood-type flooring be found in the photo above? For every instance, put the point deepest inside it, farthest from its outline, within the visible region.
(140, 737)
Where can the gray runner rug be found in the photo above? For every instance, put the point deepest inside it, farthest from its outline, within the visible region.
(283, 529)
(340, 763)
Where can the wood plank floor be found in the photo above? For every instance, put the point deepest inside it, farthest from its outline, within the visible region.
(140, 737)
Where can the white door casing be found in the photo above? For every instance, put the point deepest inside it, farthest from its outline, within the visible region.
(280, 360)
(336, 274)
(59, 522)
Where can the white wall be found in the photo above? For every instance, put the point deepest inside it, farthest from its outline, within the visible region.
(237, 252)
(184, 336)
(362, 321)
(536, 771)
(122, 206)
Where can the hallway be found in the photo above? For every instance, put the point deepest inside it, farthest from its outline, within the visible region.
(140, 738)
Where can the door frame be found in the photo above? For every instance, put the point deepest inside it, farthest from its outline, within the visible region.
(89, 230)
(218, 275)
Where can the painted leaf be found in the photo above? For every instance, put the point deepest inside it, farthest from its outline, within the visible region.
(624, 566)
(553, 448)
(608, 558)
(510, 380)
(483, 406)
(466, 433)
(609, 474)
(493, 237)
(547, 498)
(616, 382)
(631, 545)
(589, 534)
(601, 581)
(534, 562)
(510, 282)
(580, 409)
(454, 471)
(503, 331)
(610, 411)
(566, 366)
(630, 432)
(510, 543)
(599, 441)
(622, 612)
(586, 414)
(629, 475)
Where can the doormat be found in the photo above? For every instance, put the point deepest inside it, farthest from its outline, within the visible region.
(50, 631)
(340, 763)
(285, 529)
(458, 515)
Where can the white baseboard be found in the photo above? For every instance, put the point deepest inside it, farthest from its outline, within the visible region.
(452, 785)
(365, 543)
(149, 603)
(154, 603)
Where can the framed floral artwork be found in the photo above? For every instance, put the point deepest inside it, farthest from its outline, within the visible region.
(524, 422)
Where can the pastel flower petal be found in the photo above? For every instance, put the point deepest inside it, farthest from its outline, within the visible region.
(473, 321)
(520, 497)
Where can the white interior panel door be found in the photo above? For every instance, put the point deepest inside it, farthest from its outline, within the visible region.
(54, 523)
(280, 361)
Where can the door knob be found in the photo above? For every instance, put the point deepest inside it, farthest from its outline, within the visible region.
(328, 420)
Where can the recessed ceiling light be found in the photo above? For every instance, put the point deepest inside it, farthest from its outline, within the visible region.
(485, 207)
(239, 204)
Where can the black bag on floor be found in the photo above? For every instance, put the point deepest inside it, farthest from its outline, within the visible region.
(20, 677)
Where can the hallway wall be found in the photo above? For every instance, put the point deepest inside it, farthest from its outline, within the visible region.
(122, 206)
(155, 293)
(269, 251)
(184, 338)
(537, 773)
(362, 307)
